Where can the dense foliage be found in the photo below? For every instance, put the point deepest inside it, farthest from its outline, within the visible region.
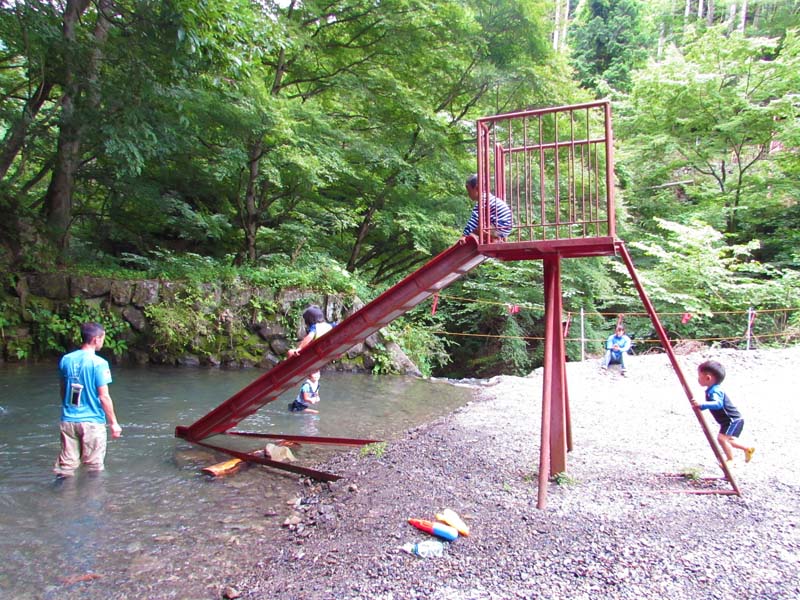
(324, 145)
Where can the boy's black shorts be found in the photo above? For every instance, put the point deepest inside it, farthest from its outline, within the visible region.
(733, 429)
(296, 406)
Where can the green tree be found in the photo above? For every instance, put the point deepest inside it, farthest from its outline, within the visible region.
(609, 39)
(708, 130)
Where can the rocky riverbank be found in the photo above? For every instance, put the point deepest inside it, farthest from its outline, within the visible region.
(230, 324)
(617, 526)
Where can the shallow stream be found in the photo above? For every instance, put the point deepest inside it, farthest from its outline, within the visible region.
(153, 495)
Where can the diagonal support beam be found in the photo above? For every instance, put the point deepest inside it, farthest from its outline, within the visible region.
(665, 342)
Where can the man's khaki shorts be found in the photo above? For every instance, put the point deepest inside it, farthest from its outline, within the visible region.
(81, 442)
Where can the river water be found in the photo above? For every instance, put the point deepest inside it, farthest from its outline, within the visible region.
(88, 536)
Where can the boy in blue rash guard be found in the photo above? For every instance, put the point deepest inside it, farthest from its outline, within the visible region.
(710, 375)
(308, 395)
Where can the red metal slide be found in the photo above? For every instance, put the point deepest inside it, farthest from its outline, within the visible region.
(438, 273)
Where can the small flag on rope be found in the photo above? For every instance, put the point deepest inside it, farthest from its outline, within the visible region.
(435, 303)
(513, 309)
(686, 318)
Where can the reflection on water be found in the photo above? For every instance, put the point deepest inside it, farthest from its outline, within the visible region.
(152, 494)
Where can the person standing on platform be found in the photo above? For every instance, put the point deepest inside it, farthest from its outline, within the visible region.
(86, 405)
(500, 218)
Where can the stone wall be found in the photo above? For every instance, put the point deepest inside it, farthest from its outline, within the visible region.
(232, 325)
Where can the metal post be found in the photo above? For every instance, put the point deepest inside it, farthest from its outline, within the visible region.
(583, 337)
(609, 147)
(749, 325)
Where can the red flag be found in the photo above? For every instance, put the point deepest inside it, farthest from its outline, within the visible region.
(685, 318)
(435, 303)
(513, 309)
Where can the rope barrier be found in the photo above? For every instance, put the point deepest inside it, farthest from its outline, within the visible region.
(603, 340)
(627, 314)
(686, 316)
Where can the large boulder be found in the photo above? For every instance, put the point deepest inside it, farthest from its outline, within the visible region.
(54, 286)
(121, 292)
(86, 286)
(145, 293)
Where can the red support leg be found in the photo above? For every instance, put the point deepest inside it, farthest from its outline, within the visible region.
(555, 415)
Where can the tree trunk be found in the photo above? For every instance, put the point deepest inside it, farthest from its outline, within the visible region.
(250, 218)
(565, 24)
(743, 17)
(709, 12)
(15, 137)
(687, 12)
(557, 25)
(58, 198)
(363, 229)
(732, 15)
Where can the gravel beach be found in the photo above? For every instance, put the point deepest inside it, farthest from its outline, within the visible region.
(617, 526)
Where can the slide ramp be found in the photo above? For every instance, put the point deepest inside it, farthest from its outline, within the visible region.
(435, 275)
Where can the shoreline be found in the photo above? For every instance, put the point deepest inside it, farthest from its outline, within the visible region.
(614, 527)
(611, 530)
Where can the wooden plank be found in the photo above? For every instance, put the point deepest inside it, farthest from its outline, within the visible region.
(227, 467)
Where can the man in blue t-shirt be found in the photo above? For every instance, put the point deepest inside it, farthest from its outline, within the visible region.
(86, 406)
(617, 346)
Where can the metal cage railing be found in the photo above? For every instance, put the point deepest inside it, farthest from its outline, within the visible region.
(554, 168)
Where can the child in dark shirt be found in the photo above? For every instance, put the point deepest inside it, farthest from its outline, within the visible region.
(308, 395)
(710, 375)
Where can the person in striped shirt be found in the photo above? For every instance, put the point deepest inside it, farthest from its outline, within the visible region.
(500, 218)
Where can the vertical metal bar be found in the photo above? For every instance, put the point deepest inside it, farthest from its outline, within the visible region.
(589, 172)
(542, 190)
(583, 192)
(557, 177)
(597, 230)
(583, 337)
(547, 392)
(662, 335)
(571, 178)
(528, 210)
(483, 175)
(611, 217)
(556, 432)
(558, 411)
(481, 133)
